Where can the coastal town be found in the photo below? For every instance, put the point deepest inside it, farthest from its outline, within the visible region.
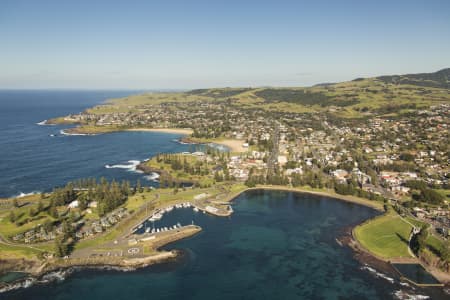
(403, 159)
(394, 159)
(225, 150)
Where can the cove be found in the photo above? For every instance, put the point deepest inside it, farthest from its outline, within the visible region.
(276, 245)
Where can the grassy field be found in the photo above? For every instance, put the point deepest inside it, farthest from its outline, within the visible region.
(385, 236)
(9, 251)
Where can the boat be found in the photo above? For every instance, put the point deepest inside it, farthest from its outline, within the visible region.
(195, 209)
(156, 217)
(140, 226)
(147, 230)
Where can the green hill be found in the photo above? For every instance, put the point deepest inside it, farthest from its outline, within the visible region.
(439, 79)
(384, 95)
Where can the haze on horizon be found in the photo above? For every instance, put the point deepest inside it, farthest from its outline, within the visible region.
(199, 44)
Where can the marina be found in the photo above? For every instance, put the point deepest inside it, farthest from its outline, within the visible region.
(160, 221)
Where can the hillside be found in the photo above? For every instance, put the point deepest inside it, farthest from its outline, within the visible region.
(439, 79)
(388, 96)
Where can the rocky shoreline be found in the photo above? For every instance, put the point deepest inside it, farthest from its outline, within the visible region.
(384, 269)
(162, 174)
(61, 269)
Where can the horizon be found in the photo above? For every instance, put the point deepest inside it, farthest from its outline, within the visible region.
(173, 45)
(168, 90)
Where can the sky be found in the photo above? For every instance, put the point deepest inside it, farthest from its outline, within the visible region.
(188, 44)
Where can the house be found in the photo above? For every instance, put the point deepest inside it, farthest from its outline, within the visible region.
(74, 204)
(340, 175)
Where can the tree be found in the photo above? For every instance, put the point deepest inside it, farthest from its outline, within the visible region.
(53, 212)
(32, 212)
(67, 230)
(139, 188)
(40, 206)
(12, 216)
(445, 251)
(48, 226)
(61, 248)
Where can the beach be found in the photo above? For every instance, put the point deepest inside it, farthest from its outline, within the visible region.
(233, 145)
(186, 131)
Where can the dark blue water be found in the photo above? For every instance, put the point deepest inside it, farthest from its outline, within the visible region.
(416, 273)
(31, 160)
(277, 245)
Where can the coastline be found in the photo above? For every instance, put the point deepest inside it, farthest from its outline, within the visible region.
(185, 131)
(365, 202)
(362, 251)
(232, 144)
(363, 255)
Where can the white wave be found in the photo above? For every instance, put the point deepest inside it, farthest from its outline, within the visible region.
(42, 123)
(58, 276)
(402, 295)
(152, 177)
(377, 274)
(21, 194)
(55, 276)
(131, 166)
(62, 132)
(219, 147)
(180, 142)
(404, 284)
(17, 285)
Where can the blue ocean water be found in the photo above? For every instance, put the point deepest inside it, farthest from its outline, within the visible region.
(277, 245)
(32, 160)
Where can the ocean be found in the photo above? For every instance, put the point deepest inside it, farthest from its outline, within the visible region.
(276, 245)
(36, 158)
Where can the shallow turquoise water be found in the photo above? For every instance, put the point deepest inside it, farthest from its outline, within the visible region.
(277, 245)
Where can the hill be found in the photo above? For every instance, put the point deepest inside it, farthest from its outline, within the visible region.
(439, 79)
(381, 96)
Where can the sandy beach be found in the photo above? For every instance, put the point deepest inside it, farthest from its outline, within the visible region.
(234, 145)
(186, 131)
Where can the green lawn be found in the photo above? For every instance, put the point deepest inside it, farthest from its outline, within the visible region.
(435, 244)
(386, 236)
(7, 251)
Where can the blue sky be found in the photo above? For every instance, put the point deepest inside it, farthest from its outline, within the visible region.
(194, 44)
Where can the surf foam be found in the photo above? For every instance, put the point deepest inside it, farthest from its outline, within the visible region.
(152, 177)
(131, 166)
(377, 274)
